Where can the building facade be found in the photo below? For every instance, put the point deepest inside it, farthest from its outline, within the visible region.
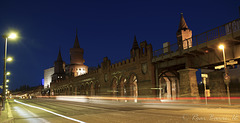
(48, 77)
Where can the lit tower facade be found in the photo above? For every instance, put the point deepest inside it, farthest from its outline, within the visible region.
(59, 68)
(77, 66)
(184, 33)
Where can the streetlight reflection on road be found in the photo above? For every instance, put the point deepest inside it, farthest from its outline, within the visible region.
(226, 76)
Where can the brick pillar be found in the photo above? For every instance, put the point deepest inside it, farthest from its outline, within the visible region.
(169, 88)
(216, 84)
(174, 88)
(76, 91)
(188, 83)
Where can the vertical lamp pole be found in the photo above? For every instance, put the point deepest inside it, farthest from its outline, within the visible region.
(4, 69)
(226, 76)
(4, 73)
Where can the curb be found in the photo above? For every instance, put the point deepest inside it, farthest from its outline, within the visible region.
(9, 113)
(9, 110)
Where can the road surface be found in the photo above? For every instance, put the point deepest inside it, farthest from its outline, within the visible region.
(98, 111)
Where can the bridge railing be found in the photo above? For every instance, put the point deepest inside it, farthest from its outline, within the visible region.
(209, 35)
(167, 50)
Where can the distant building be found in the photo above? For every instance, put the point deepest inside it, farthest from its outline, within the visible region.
(48, 77)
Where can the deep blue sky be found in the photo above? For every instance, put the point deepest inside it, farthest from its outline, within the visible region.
(105, 28)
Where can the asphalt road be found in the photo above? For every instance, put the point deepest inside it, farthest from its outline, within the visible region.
(97, 111)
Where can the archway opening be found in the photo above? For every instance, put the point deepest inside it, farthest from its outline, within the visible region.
(133, 86)
(114, 87)
(168, 85)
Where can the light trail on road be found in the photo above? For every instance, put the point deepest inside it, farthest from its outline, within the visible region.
(66, 117)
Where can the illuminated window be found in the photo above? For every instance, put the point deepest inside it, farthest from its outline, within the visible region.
(81, 71)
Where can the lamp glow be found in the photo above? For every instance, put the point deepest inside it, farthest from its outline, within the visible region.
(9, 59)
(7, 80)
(12, 36)
(221, 47)
(8, 73)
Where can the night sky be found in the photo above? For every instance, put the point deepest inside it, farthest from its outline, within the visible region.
(105, 28)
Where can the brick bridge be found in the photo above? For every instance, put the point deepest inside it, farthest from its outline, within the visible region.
(171, 69)
(176, 64)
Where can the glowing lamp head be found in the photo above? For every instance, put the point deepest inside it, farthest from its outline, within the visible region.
(8, 73)
(9, 59)
(221, 47)
(7, 80)
(12, 36)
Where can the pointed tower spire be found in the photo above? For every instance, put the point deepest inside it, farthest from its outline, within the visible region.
(59, 56)
(135, 43)
(76, 43)
(182, 24)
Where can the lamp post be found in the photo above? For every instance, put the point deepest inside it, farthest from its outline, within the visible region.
(226, 76)
(11, 36)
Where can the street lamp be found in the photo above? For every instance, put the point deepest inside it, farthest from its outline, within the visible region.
(9, 59)
(226, 76)
(8, 73)
(11, 36)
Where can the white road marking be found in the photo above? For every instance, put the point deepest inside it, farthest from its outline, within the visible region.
(66, 117)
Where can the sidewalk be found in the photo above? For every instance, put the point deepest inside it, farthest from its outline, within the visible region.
(211, 103)
(6, 115)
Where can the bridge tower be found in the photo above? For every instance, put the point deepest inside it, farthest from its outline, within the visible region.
(59, 68)
(77, 67)
(184, 33)
(188, 80)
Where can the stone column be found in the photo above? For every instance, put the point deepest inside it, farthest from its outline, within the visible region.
(188, 83)
(174, 88)
(76, 90)
(216, 84)
(169, 88)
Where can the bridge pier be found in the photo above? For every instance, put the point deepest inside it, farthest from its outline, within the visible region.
(216, 84)
(188, 83)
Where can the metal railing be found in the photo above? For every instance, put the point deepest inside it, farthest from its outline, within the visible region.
(209, 35)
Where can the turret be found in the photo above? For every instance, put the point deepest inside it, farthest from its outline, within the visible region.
(184, 35)
(76, 60)
(59, 68)
(135, 48)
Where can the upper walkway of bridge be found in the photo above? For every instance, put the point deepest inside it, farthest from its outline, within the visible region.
(227, 32)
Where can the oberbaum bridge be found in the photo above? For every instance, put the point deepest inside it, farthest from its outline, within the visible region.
(169, 72)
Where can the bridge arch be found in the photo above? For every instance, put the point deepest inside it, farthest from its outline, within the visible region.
(133, 83)
(82, 90)
(92, 88)
(114, 85)
(168, 84)
(123, 86)
(87, 88)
